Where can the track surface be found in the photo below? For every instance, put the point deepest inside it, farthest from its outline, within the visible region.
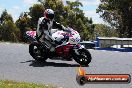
(17, 64)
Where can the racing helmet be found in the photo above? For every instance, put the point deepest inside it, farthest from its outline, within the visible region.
(49, 14)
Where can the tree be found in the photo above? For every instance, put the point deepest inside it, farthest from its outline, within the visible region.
(36, 11)
(8, 30)
(103, 30)
(5, 17)
(23, 23)
(0, 32)
(78, 21)
(118, 13)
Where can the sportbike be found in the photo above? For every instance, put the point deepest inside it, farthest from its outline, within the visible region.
(59, 44)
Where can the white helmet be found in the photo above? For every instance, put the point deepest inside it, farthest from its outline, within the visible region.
(49, 14)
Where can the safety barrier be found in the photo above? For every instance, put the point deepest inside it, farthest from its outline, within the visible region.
(114, 44)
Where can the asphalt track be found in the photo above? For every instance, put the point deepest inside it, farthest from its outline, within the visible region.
(17, 64)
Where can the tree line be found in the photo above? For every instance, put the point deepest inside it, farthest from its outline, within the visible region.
(118, 14)
(69, 15)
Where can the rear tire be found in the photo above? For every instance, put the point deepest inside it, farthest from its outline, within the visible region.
(84, 57)
(36, 53)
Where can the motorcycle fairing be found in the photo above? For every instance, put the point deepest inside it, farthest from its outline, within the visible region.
(63, 50)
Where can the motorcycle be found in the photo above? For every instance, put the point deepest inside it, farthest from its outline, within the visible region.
(67, 47)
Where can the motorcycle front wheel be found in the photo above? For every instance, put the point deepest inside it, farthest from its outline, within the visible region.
(36, 53)
(83, 58)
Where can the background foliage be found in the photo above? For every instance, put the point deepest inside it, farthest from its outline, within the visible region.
(118, 13)
(8, 29)
(69, 14)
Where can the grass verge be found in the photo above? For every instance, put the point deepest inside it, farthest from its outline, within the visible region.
(14, 84)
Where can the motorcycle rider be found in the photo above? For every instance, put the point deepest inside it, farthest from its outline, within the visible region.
(45, 24)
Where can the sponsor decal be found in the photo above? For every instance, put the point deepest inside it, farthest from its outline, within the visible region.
(83, 78)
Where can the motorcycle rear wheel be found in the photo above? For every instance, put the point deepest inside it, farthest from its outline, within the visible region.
(36, 53)
(84, 57)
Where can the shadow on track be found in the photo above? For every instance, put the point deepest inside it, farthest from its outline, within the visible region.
(34, 63)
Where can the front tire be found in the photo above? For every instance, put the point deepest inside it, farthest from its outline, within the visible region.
(84, 57)
(36, 53)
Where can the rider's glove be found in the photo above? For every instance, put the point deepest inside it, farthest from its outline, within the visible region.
(63, 28)
(67, 30)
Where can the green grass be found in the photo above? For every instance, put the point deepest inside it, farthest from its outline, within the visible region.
(14, 84)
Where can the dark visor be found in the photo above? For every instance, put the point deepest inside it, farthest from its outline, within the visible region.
(50, 16)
